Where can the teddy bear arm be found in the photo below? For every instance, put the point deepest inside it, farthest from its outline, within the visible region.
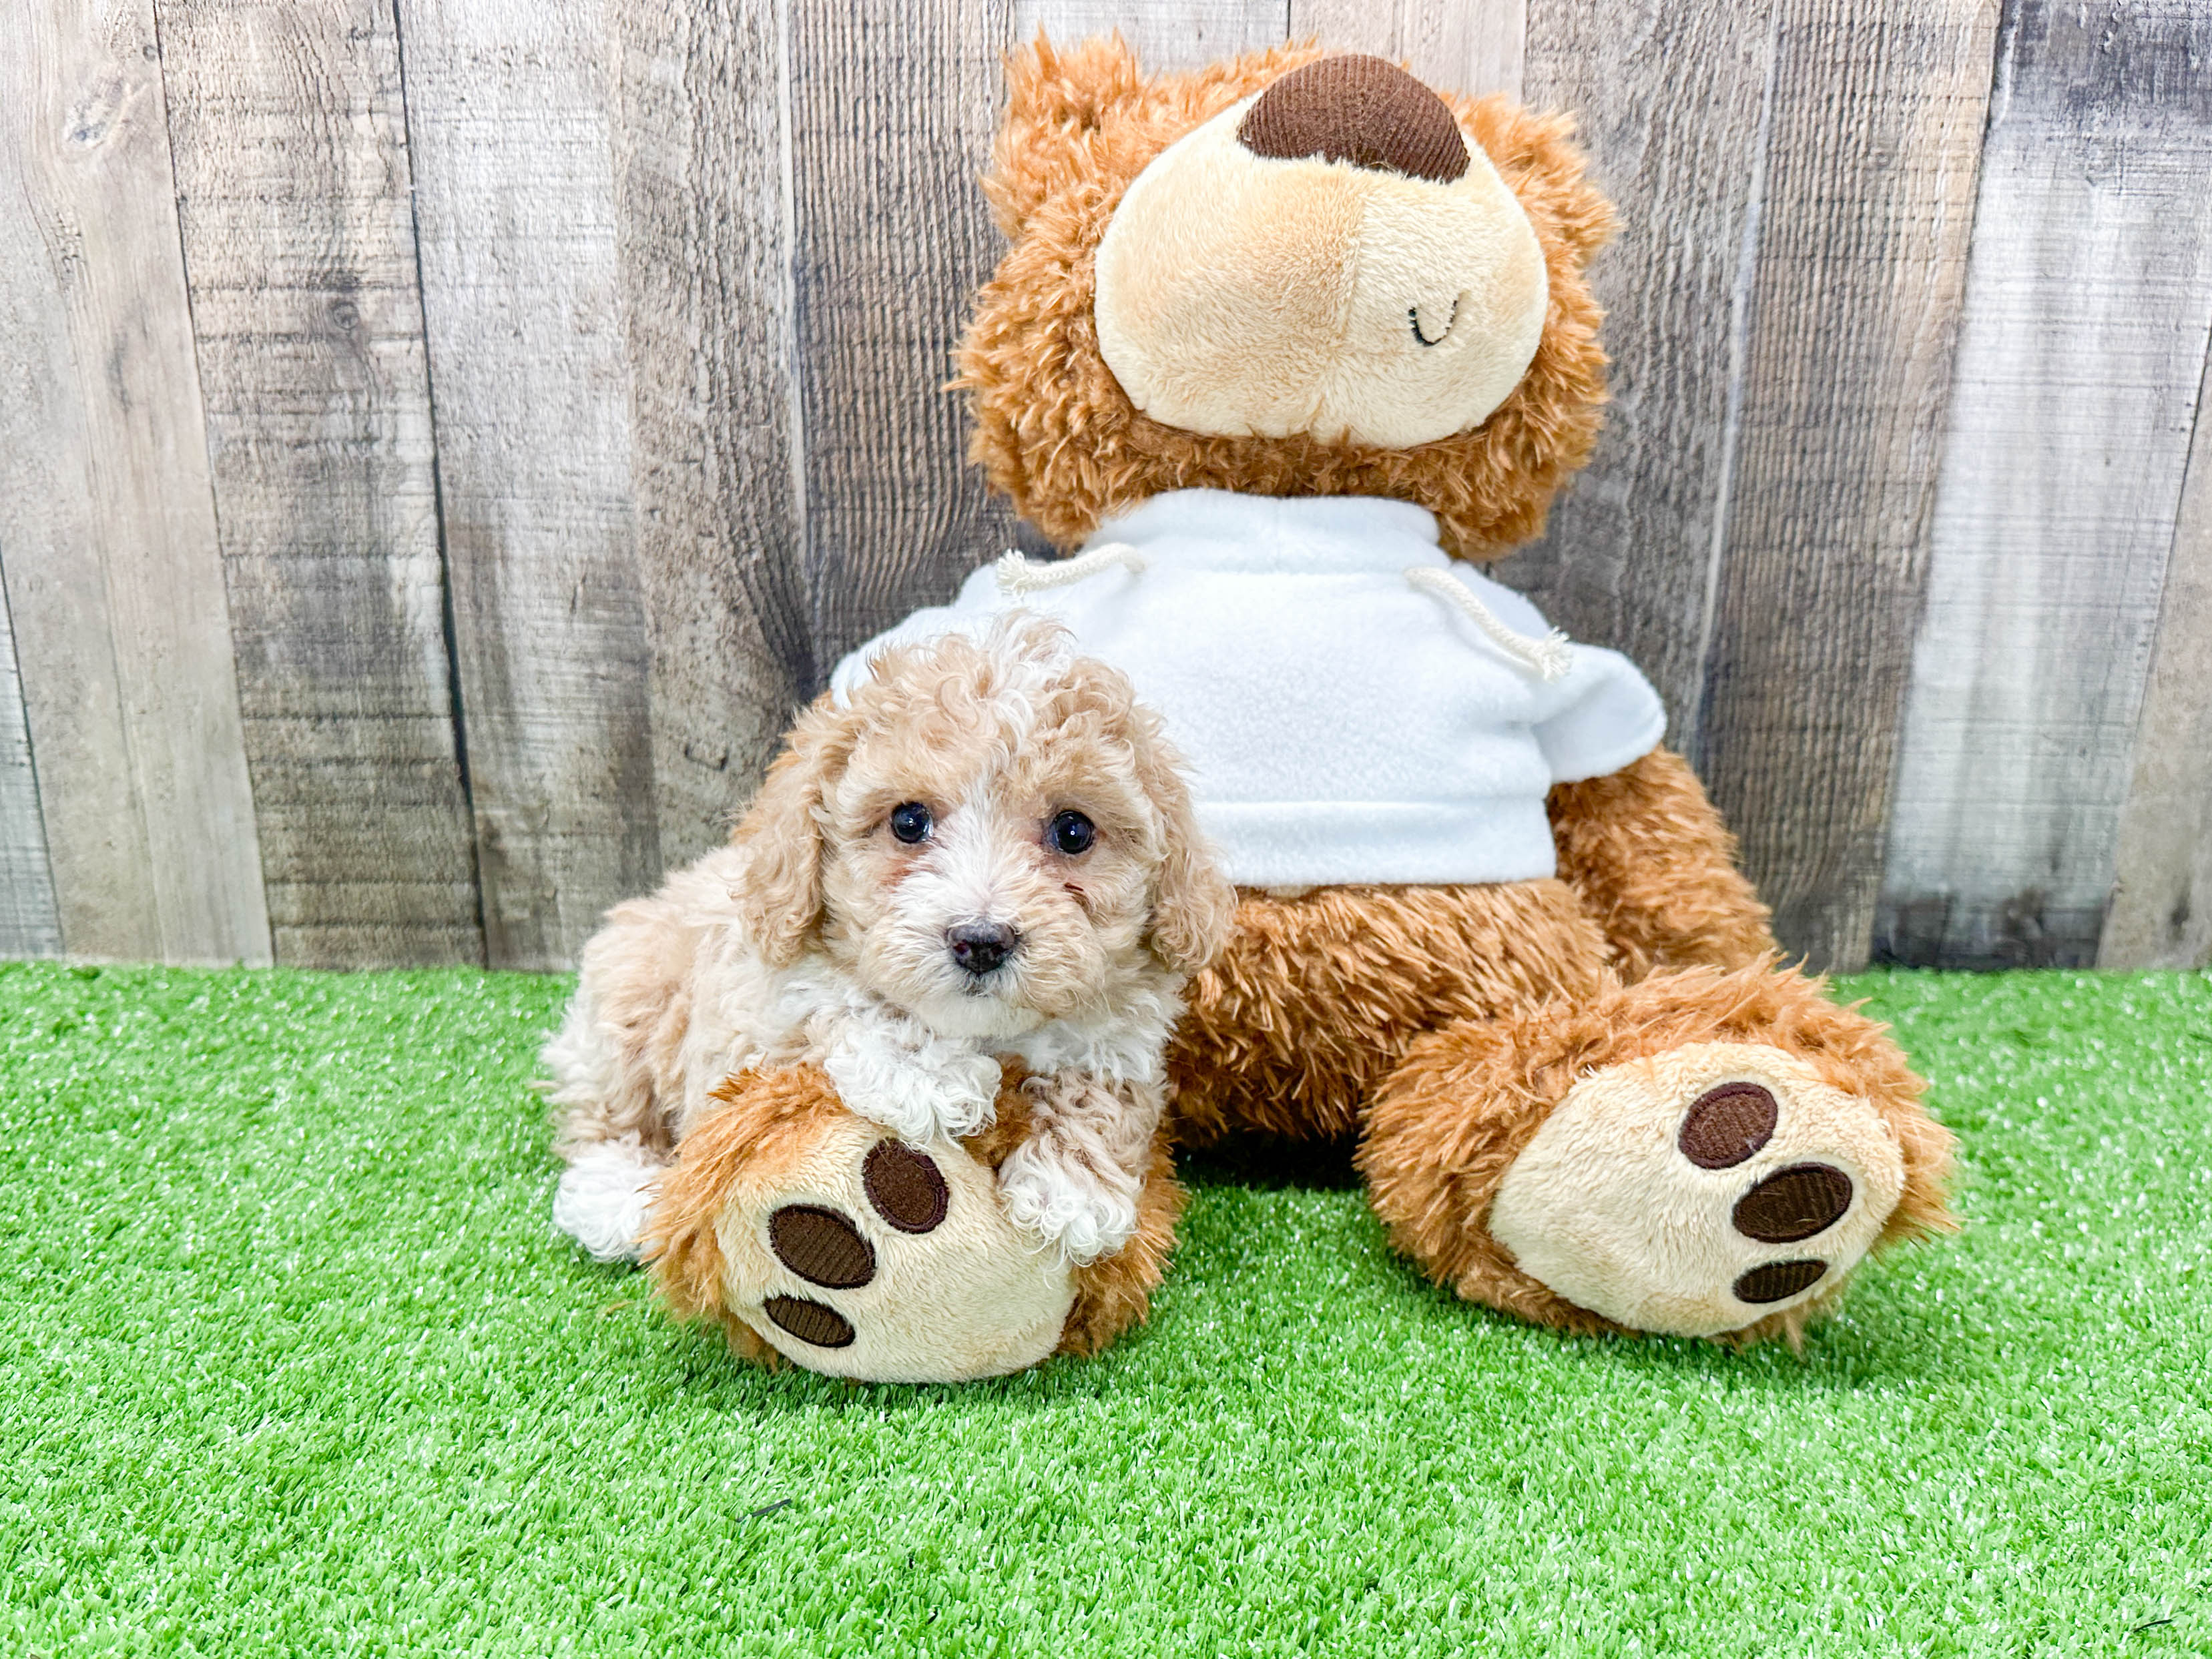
(809, 1234)
(1655, 865)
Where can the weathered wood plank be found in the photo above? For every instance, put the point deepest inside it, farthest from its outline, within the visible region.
(1168, 34)
(703, 166)
(2161, 914)
(290, 148)
(1865, 217)
(1672, 102)
(107, 523)
(1470, 45)
(30, 926)
(892, 111)
(2088, 306)
(506, 114)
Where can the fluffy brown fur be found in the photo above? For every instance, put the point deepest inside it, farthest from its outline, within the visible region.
(1469, 1097)
(1299, 1021)
(1444, 1025)
(1652, 862)
(1317, 998)
(1055, 430)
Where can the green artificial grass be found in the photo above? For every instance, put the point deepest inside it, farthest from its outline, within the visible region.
(290, 1362)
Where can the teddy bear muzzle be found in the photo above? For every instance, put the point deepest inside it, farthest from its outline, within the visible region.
(1332, 257)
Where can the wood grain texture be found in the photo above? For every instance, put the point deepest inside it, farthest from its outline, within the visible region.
(106, 524)
(1466, 45)
(1168, 34)
(30, 926)
(290, 151)
(1865, 215)
(2161, 910)
(506, 115)
(1672, 102)
(2088, 307)
(892, 111)
(701, 149)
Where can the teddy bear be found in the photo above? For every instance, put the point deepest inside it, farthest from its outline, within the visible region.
(1280, 350)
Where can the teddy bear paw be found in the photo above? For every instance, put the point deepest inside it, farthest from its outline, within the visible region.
(1699, 1191)
(877, 1260)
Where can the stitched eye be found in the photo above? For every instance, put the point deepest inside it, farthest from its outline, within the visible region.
(1071, 833)
(910, 822)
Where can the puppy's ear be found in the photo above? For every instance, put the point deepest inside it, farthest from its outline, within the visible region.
(781, 899)
(1195, 905)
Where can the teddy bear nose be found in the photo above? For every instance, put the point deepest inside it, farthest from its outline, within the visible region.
(1363, 110)
(981, 946)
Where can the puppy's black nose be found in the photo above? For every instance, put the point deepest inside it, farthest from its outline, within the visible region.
(981, 946)
(1366, 110)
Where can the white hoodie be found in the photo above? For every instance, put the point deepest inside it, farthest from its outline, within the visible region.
(1344, 721)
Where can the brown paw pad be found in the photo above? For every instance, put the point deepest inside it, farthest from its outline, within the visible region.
(1777, 1281)
(1793, 1204)
(1726, 1125)
(905, 1186)
(810, 1321)
(823, 1247)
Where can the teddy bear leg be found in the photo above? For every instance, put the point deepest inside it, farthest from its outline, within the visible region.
(814, 1234)
(1703, 1153)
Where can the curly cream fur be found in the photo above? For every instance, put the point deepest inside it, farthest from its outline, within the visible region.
(817, 938)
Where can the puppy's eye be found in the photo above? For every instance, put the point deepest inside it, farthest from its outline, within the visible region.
(910, 822)
(1070, 832)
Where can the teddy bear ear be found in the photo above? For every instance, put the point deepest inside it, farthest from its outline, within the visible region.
(1057, 99)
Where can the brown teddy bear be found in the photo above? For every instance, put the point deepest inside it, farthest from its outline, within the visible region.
(1282, 346)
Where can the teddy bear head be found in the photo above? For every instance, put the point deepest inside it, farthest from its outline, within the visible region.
(1289, 274)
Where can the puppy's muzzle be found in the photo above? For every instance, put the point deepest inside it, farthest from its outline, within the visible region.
(981, 948)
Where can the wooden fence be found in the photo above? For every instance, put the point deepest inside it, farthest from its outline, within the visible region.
(441, 439)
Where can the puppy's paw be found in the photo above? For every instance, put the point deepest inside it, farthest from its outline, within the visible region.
(603, 1195)
(1059, 1199)
(933, 1090)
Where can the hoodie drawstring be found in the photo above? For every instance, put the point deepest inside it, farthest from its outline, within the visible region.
(1018, 575)
(1547, 658)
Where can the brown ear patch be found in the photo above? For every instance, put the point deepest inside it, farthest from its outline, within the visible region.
(810, 1321)
(1793, 1204)
(905, 1187)
(1726, 1125)
(1363, 110)
(1777, 1280)
(821, 1246)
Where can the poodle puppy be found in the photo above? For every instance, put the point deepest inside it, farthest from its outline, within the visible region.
(983, 850)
